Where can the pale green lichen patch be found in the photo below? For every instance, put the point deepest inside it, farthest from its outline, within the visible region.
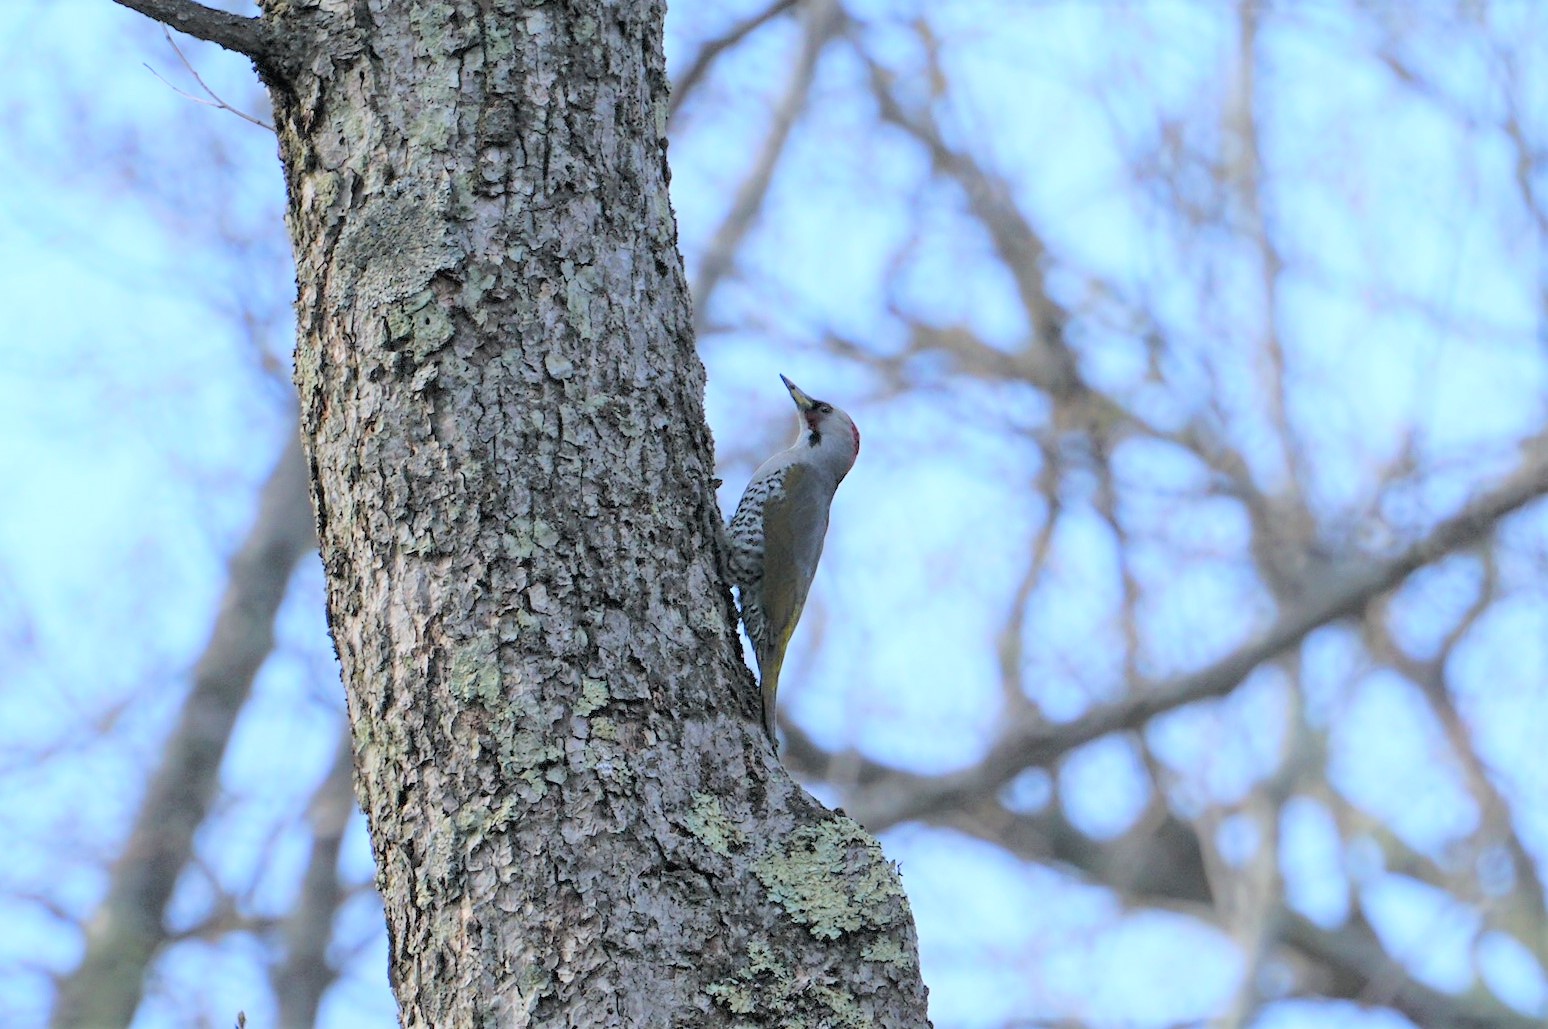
(432, 328)
(474, 675)
(523, 538)
(833, 879)
(498, 40)
(593, 696)
(764, 981)
(734, 996)
(400, 317)
(580, 291)
(486, 815)
(517, 544)
(532, 760)
(419, 325)
(433, 129)
(888, 950)
(430, 19)
(308, 372)
(709, 824)
(532, 983)
(662, 114)
(783, 996)
(840, 1009)
(478, 282)
(320, 190)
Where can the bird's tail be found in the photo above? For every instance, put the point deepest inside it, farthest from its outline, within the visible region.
(768, 679)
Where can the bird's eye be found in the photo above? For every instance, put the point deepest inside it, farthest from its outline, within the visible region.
(825, 408)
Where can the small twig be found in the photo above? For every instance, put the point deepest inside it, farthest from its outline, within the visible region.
(214, 100)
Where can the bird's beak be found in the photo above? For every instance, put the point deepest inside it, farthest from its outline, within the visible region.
(802, 401)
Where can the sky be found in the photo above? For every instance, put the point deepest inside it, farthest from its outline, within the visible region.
(144, 393)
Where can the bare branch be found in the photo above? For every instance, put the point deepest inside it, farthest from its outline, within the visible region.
(306, 974)
(710, 51)
(1353, 957)
(822, 22)
(1017, 243)
(1010, 649)
(126, 931)
(250, 36)
(1033, 742)
(1159, 864)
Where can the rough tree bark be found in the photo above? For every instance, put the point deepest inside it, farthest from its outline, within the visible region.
(575, 818)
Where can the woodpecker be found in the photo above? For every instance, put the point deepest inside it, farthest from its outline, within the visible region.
(775, 537)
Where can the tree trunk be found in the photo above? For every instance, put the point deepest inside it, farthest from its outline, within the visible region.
(575, 816)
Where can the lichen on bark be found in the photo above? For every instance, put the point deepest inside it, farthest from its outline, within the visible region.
(833, 878)
(575, 815)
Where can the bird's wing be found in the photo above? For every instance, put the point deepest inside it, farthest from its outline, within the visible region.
(744, 533)
(795, 520)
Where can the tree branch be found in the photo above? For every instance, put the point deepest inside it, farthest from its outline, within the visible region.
(1159, 864)
(1353, 957)
(250, 36)
(307, 973)
(126, 932)
(709, 52)
(1048, 361)
(902, 796)
(822, 21)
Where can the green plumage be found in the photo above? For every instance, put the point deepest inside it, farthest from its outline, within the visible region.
(775, 536)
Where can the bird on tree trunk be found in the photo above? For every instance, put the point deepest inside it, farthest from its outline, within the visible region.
(775, 536)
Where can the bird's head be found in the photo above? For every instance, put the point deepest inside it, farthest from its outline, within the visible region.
(826, 429)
